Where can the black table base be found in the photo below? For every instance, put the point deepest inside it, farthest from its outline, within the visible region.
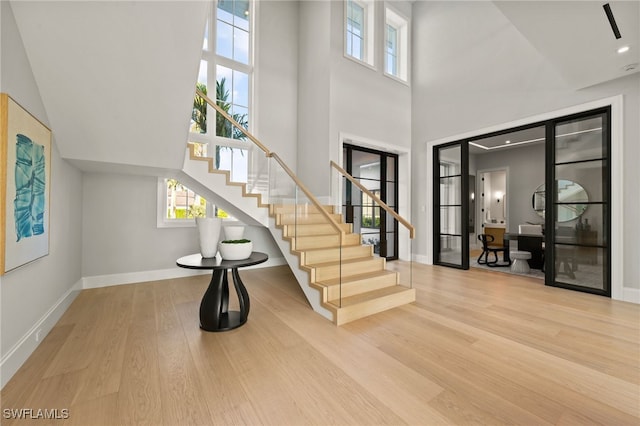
(214, 308)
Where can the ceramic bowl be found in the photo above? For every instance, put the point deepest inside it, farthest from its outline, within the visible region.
(235, 251)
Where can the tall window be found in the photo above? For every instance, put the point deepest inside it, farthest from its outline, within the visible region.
(396, 45)
(355, 30)
(227, 62)
(359, 25)
(391, 62)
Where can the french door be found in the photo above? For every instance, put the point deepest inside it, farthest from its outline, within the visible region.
(579, 246)
(451, 207)
(378, 172)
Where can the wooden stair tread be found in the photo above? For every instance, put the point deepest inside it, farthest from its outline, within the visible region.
(324, 234)
(303, 243)
(308, 208)
(319, 249)
(354, 278)
(344, 261)
(331, 234)
(369, 296)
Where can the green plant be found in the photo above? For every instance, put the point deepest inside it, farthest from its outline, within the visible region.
(197, 211)
(224, 128)
(367, 222)
(199, 111)
(243, 241)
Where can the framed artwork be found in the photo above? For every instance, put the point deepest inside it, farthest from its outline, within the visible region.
(25, 186)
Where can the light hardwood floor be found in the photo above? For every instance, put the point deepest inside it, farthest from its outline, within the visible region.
(477, 347)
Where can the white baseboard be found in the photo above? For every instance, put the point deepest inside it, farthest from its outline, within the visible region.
(98, 281)
(22, 350)
(420, 259)
(631, 294)
(628, 294)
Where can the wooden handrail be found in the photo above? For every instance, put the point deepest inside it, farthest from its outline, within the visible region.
(308, 193)
(388, 209)
(269, 153)
(234, 122)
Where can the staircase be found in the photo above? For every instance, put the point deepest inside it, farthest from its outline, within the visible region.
(342, 278)
(353, 283)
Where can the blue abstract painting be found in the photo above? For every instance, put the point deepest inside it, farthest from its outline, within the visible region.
(30, 178)
(25, 190)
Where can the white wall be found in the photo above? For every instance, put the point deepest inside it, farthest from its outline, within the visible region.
(364, 101)
(489, 74)
(110, 71)
(339, 96)
(526, 173)
(276, 78)
(314, 72)
(120, 235)
(35, 295)
(120, 209)
(119, 227)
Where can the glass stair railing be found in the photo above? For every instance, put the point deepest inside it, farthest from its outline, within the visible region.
(352, 279)
(377, 224)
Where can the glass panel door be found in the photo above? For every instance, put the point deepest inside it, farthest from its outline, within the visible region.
(378, 172)
(451, 242)
(581, 204)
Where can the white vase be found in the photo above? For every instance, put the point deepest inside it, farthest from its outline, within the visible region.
(208, 235)
(233, 232)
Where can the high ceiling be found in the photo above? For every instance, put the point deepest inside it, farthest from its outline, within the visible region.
(117, 78)
(576, 37)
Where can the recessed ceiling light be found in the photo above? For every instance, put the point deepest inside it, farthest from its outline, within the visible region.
(623, 49)
(507, 141)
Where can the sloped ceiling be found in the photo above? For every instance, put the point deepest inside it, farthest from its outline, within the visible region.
(576, 37)
(117, 78)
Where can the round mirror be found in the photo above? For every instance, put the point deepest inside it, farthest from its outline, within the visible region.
(570, 194)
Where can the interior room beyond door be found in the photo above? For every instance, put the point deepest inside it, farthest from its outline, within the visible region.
(377, 171)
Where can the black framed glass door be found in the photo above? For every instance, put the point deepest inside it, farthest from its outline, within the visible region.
(451, 212)
(378, 172)
(574, 200)
(581, 200)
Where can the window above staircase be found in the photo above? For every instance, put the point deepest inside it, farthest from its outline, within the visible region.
(226, 75)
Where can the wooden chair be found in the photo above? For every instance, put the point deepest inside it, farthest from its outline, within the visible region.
(487, 248)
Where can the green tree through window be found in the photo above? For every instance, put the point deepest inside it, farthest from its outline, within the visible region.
(224, 127)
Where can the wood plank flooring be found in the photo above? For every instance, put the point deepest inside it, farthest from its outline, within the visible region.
(477, 347)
